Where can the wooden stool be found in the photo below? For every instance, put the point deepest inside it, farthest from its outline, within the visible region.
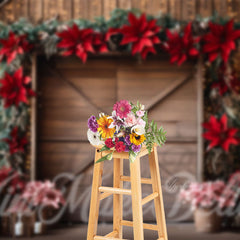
(99, 192)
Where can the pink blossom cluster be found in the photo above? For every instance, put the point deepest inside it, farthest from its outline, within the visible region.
(205, 195)
(45, 193)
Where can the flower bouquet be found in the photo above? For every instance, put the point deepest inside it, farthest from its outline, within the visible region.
(126, 130)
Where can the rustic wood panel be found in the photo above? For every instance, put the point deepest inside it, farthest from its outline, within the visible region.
(95, 9)
(157, 7)
(124, 4)
(205, 8)
(35, 11)
(221, 7)
(175, 8)
(108, 7)
(188, 10)
(80, 9)
(65, 9)
(21, 9)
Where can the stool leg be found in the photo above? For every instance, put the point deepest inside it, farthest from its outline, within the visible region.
(156, 185)
(136, 199)
(117, 198)
(95, 198)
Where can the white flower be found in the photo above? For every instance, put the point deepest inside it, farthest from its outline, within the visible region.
(141, 122)
(138, 129)
(94, 138)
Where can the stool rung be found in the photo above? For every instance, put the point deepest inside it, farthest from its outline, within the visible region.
(115, 190)
(145, 225)
(111, 234)
(107, 238)
(143, 180)
(105, 195)
(149, 198)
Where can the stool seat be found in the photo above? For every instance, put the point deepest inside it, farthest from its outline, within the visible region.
(100, 192)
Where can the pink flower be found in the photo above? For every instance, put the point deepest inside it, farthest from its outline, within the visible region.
(141, 122)
(42, 193)
(140, 113)
(131, 120)
(122, 108)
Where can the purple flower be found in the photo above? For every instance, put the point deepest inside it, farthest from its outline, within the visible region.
(136, 148)
(126, 149)
(127, 140)
(92, 124)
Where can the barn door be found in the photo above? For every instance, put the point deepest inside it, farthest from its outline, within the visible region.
(71, 91)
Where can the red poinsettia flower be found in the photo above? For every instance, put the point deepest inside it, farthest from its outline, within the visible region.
(182, 47)
(221, 86)
(76, 41)
(100, 42)
(219, 134)
(14, 88)
(221, 83)
(141, 33)
(220, 40)
(16, 143)
(12, 46)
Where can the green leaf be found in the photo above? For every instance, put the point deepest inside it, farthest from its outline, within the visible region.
(132, 156)
(107, 157)
(104, 148)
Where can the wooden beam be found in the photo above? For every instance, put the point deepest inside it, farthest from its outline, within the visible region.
(143, 180)
(80, 9)
(175, 9)
(199, 77)
(221, 7)
(33, 120)
(145, 225)
(168, 91)
(115, 190)
(149, 198)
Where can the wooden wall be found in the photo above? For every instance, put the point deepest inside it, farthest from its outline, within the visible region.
(38, 10)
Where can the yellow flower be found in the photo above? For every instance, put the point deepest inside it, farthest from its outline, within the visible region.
(103, 127)
(137, 139)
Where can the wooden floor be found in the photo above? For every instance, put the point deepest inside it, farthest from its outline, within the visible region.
(175, 231)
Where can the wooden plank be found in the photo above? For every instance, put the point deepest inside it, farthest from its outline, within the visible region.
(95, 9)
(175, 9)
(233, 9)
(36, 11)
(115, 190)
(140, 4)
(157, 7)
(108, 7)
(65, 10)
(124, 4)
(189, 10)
(8, 14)
(80, 9)
(50, 9)
(21, 9)
(221, 7)
(167, 91)
(117, 198)
(205, 8)
(143, 180)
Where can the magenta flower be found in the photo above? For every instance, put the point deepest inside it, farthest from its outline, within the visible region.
(136, 148)
(122, 108)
